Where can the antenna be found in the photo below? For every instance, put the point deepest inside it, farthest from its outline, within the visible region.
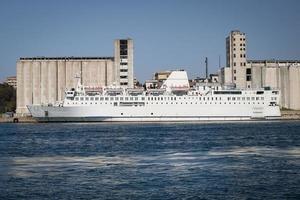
(206, 67)
(219, 61)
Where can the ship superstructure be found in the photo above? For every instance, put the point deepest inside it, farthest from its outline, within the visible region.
(173, 101)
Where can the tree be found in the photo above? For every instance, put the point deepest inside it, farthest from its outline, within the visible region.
(7, 98)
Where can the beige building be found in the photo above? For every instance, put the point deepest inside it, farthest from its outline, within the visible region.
(236, 60)
(12, 81)
(124, 62)
(162, 76)
(43, 80)
(279, 74)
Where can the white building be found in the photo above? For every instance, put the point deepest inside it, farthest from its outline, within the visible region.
(12, 81)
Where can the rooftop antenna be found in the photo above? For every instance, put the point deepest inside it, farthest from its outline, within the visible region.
(219, 61)
(206, 67)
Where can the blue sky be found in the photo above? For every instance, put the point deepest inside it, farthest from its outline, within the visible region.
(167, 34)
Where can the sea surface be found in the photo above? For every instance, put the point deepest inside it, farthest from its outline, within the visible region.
(232, 160)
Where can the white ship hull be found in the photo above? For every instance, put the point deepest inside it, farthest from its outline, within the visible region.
(153, 113)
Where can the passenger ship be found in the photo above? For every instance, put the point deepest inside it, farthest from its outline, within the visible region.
(173, 101)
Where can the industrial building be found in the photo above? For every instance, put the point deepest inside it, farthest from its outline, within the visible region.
(12, 81)
(236, 59)
(43, 80)
(279, 74)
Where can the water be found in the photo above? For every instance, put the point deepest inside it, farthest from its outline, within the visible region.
(247, 160)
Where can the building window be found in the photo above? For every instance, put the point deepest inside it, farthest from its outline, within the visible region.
(234, 71)
(234, 64)
(234, 55)
(248, 71)
(234, 78)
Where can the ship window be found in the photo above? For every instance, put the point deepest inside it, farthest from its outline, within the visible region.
(148, 98)
(238, 98)
(174, 98)
(171, 98)
(86, 98)
(92, 98)
(136, 98)
(143, 98)
(121, 98)
(76, 98)
(248, 98)
(126, 98)
(111, 98)
(257, 98)
(262, 98)
(243, 98)
(106, 98)
(81, 98)
(252, 98)
(101, 98)
(151, 98)
(96, 98)
(204, 98)
(228, 98)
(233, 98)
(131, 98)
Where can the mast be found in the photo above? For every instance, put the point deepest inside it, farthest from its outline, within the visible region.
(206, 67)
